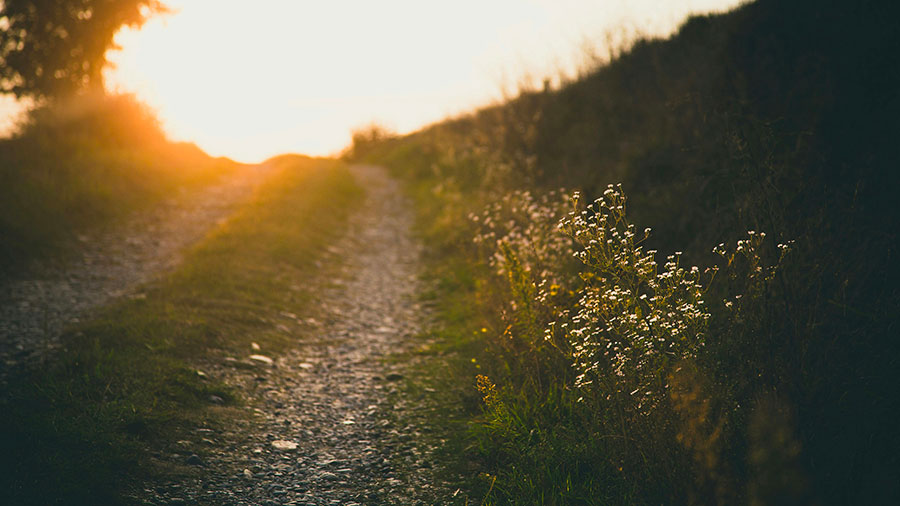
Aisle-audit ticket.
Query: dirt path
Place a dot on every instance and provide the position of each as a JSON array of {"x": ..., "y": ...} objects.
[
  {"x": 328, "y": 431},
  {"x": 36, "y": 308}
]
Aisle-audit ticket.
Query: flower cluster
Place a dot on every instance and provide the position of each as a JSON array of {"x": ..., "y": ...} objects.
[
  {"x": 747, "y": 267},
  {"x": 520, "y": 228},
  {"x": 581, "y": 281},
  {"x": 634, "y": 320}
]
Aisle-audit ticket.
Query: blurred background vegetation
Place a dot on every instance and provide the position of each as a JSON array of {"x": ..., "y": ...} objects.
[
  {"x": 84, "y": 162},
  {"x": 779, "y": 117},
  {"x": 80, "y": 158}
]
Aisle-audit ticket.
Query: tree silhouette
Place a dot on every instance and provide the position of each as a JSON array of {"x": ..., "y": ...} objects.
[{"x": 51, "y": 48}]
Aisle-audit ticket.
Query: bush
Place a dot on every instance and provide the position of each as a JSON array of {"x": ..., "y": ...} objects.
[{"x": 618, "y": 340}]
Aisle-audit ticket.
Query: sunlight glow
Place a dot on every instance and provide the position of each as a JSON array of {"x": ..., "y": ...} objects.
[{"x": 250, "y": 80}]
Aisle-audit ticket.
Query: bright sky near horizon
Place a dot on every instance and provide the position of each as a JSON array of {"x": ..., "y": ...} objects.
[{"x": 249, "y": 80}]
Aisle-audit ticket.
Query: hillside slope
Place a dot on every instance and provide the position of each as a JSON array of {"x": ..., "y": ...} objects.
[{"x": 779, "y": 117}]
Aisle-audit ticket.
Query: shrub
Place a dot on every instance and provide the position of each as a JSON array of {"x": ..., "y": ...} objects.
[{"x": 601, "y": 340}]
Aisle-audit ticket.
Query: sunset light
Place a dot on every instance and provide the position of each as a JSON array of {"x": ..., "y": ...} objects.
[
  {"x": 251, "y": 81},
  {"x": 561, "y": 252}
]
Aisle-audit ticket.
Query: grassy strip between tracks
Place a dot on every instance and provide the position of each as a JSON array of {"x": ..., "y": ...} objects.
[{"x": 84, "y": 428}]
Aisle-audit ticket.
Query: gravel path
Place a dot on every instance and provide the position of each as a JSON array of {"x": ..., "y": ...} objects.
[
  {"x": 35, "y": 308},
  {"x": 329, "y": 430}
]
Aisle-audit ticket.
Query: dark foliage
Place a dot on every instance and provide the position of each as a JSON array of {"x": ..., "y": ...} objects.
[{"x": 57, "y": 47}]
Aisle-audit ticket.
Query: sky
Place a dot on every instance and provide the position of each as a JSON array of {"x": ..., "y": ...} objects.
[{"x": 250, "y": 80}]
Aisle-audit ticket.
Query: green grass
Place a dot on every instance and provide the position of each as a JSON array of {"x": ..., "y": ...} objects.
[{"x": 82, "y": 429}]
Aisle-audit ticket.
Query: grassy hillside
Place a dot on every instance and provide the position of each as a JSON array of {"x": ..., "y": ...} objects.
[
  {"x": 777, "y": 383},
  {"x": 83, "y": 163}
]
